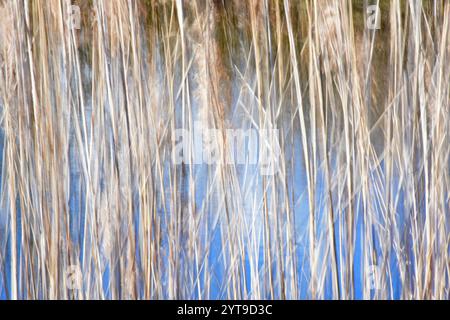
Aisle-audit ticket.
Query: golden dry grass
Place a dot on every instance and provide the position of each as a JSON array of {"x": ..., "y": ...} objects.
[{"x": 88, "y": 126}]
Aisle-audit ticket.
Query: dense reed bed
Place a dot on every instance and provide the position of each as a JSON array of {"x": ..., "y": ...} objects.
[{"x": 93, "y": 205}]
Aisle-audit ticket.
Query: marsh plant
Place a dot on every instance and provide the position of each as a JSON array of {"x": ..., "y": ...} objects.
[{"x": 347, "y": 101}]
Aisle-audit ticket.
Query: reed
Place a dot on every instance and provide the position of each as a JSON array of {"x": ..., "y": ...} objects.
[{"x": 93, "y": 205}]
